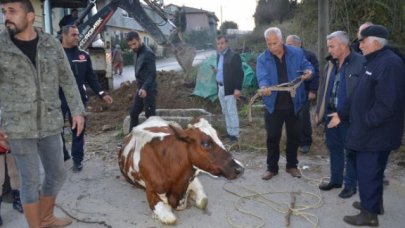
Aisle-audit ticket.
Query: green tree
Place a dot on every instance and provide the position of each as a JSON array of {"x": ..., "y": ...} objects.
[
  {"x": 227, "y": 25},
  {"x": 268, "y": 11}
]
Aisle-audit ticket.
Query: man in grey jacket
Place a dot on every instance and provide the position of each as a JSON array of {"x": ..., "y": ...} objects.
[{"x": 32, "y": 67}]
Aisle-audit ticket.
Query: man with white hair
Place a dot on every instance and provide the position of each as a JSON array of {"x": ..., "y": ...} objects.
[
  {"x": 342, "y": 75},
  {"x": 281, "y": 63},
  {"x": 376, "y": 121}
]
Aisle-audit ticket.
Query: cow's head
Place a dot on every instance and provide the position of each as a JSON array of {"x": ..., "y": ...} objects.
[{"x": 206, "y": 151}]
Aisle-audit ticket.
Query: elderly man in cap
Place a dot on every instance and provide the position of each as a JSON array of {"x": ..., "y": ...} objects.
[{"x": 376, "y": 121}]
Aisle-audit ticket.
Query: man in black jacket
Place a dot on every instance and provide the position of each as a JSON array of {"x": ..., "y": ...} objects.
[
  {"x": 311, "y": 88},
  {"x": 229, "y": 76},
  {"x": 83, "y": 71},
  {"x": 145, "y": 74}
]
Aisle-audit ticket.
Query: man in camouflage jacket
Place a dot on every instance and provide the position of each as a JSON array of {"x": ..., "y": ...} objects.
[{"x": 32, "y": 68}]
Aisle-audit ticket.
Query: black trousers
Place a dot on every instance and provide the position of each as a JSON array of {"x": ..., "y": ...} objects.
[
  {"x": 306, "y": 127},
  {"x": 148, "y": 104},
  {"x": 274, "y": 126},
  {"x": 370, "y": 173}
]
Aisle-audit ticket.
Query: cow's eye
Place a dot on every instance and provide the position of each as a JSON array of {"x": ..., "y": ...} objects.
[{"x": 206, "y": 144}]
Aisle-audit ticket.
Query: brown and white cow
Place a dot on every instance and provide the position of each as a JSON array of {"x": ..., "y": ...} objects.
[{"x": 165, "y": 159}]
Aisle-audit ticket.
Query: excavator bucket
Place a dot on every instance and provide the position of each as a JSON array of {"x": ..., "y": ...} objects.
[{"x": 185, "y": 56}]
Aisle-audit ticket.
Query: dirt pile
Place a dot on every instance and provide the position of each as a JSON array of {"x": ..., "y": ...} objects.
[{"x": 171, "y": 94}]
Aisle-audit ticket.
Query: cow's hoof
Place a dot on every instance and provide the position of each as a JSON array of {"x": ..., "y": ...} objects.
[
  {"x": 202, "y": 204},
  {"x": 164, "y": 213}
]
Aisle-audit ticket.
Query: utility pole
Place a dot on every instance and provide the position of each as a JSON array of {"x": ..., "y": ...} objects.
[{"x": 323, "y": 31}]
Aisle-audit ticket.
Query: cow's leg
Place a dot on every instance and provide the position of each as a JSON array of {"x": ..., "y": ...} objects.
[
  {"x": 162, "y": 210},
  {"x": 198, "y": 194},
  {"x": 183, "y": 202}
]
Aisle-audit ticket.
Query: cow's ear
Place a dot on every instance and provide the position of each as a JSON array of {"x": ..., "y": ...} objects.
[{"x": 180, "y": 133}]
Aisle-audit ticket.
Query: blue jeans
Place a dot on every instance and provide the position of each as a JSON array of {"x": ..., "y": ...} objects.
[
  {"x": 341, "y": 159},
  {"x": 27, "y": 153},
  {"x": 230, "y": 111}
]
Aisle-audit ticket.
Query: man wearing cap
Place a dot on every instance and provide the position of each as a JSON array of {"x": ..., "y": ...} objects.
[{"x": 376, "y": 121}]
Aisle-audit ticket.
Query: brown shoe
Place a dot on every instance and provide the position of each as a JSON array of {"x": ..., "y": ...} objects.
[
  {"x": 294, "y": 172},
  {"x": 268, "y": 175}
]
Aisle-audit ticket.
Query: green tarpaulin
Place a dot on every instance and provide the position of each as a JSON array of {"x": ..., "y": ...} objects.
[{"x": 206, "y": 85}]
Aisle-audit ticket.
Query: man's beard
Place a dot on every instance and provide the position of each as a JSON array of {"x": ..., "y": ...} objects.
[{"x": 12, "y": 30}]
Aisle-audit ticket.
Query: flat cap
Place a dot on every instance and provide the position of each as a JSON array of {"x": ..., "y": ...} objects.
[{"x": 374, "y": 30}]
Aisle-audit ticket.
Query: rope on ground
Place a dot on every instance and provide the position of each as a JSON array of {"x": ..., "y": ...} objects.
[
  {"x": 292, "y": 205},
  {"x": 297, "y": 210},
  {"x": 102, "y": 223},
  {"x": 239, "y": 146}
]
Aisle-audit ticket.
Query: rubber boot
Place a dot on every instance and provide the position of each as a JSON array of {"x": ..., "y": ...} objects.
[
  {"x": 1, "y": 220},
  {"x": 47, "y": 204},
  {"x": 31, "y": 213},
  {"x": 365, "y": 218},
  {"x": 17, "y": 201}
]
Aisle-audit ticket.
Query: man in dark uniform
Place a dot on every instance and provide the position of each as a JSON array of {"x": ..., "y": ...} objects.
[
  {"x": 311, "y": 88},
  {"x": 80, "y": 63},
  {"x": 145, "y": 74},
  {"x": 376, "y": 121}
]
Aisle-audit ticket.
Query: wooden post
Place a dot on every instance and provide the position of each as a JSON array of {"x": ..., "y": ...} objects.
[{"x": 323, "y": 31}]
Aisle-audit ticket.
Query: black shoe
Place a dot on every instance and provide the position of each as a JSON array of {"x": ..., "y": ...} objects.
[
  {"x": 66, "y": 158},
  {"x": 305, "y": 149},
  {"x": 232, "y": 138},
  {"x": 17, "y": 201},
  {"x": 365, "y": 218},
  {"x": 329, "y": 186},
  {"x": 347, "y": 193},
  {"x": 77, "y": 167},
  {"x": 357, "y": 205}
]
